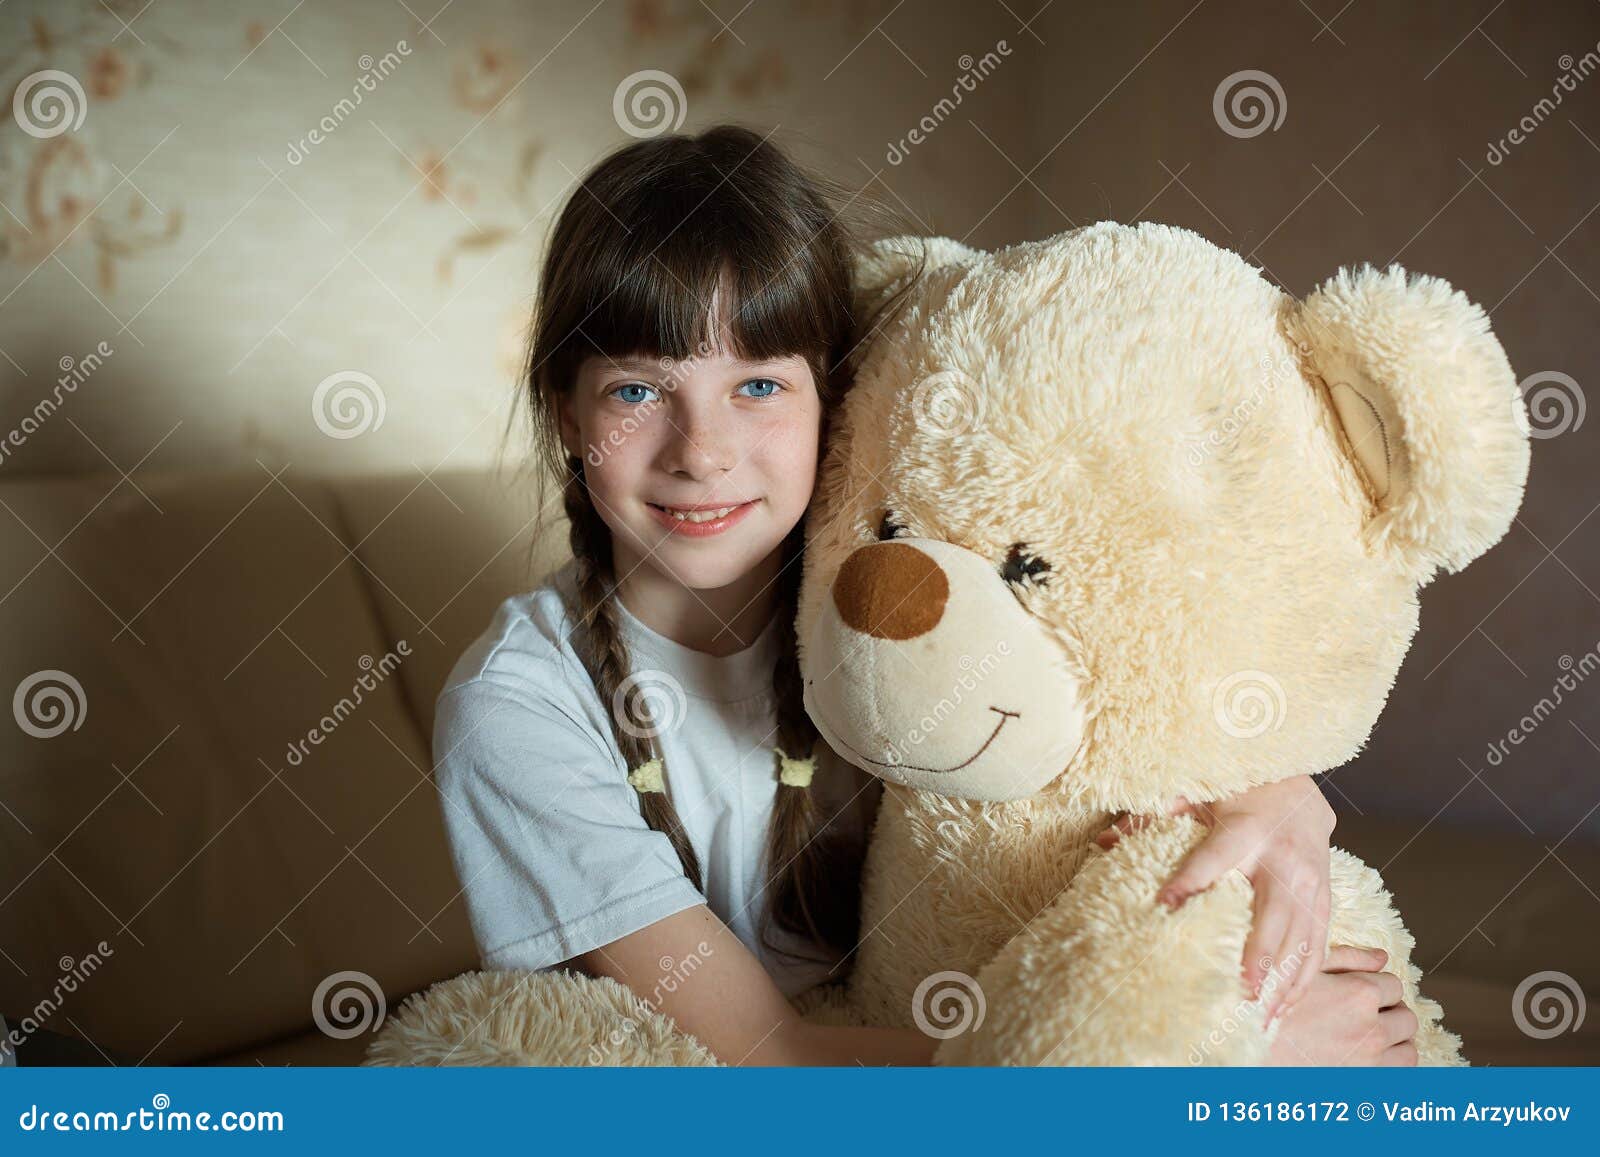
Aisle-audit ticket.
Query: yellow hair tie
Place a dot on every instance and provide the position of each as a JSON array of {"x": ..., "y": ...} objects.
[
  {"x": 647, "y": 776},
  {"x": 795, "y": 772}
]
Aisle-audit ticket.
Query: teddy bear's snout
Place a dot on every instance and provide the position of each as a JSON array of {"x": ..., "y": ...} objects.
[
  {"x": 924, "y": 669},
  {"x": 891, "y": 590}
]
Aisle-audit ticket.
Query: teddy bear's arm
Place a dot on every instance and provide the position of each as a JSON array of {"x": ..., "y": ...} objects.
[{"x": 1106, "y": 975}]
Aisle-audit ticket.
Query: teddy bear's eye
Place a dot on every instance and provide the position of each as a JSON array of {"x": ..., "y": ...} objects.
[
  {"x": 889, "y": 528},
  {"x": 1020, "y": 566}
]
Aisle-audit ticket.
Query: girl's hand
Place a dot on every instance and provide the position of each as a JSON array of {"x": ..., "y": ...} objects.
[
  {"x": 1351, "y": 1015},
  {"x": 1277, "y": 835}
]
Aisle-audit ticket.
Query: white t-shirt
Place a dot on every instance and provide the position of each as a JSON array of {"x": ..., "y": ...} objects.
[{"x": 547, "y": 836}]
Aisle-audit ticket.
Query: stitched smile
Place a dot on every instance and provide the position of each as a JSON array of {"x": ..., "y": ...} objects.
[{"x": 1004, "y": 716}]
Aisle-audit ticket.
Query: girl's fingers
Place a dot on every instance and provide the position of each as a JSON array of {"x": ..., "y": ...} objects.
[
  {"x": 1402, "y": 1055},
  {"x": 1316, "y": 944},
  {"x": 1293, "y": 958},
  {"x": 1398, "y": 1024},
  {"x": 1266, "y": 934},
  {"x": 1124, "y": 824},
  {"x": 1390, "y": 991},
  {"x": 1353, "y": 958},
  {"x": 1224, "y": 848}
]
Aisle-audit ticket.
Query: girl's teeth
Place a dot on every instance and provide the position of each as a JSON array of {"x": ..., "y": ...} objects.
[{"x": 700, "y": 515}]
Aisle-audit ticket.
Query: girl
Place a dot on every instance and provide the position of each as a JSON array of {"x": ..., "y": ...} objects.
[{"x": 689, "y": 346}]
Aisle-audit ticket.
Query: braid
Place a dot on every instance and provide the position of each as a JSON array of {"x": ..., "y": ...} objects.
[
  {"x": 804, "y": 868},
  {"x": 606, "y": 656}
]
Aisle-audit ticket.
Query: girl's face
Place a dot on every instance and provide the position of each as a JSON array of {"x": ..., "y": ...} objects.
[{"x": 710, "y": 432}]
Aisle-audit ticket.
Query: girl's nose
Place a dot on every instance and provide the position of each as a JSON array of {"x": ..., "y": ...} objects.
[{"x": 698, "y": 447}]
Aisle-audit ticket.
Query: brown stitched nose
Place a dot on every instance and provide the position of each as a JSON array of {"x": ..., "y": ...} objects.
[{"x": 890, "y": 590}]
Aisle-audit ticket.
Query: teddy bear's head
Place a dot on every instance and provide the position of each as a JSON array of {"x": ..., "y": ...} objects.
[{"x": 1111, "y": 515}]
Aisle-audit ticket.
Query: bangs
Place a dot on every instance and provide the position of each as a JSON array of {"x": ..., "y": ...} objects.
[{"x": 649, "y": 288}]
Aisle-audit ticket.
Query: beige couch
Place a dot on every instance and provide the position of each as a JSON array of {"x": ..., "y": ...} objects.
[{"x": 213, "y": 622}]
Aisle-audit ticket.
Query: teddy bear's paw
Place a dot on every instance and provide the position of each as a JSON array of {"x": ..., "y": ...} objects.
[{"x": 520, "y": 1017}]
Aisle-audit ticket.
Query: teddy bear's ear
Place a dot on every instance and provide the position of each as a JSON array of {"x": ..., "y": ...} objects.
[
  {"x": 891, "y": 264},
  {"x": 1429, "y": 410}
]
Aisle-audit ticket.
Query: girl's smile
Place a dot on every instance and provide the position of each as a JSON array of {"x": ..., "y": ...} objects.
[{"x": 700, "y": 521}]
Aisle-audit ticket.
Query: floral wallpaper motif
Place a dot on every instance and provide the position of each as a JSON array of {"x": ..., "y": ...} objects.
[
  {"x": 244, "y": 199},
  {"x": 51, "y": 185}
]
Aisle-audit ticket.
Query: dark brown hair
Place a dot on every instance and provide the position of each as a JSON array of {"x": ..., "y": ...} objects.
[{"x": 631, "y": 266}]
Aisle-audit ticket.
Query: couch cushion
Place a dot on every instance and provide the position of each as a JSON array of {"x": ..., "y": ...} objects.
[
  {"x": 441, "y": 552},
  {"x": 211, "y": 623}
]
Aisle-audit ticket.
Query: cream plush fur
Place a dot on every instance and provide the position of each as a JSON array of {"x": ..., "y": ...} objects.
[{"x": 1105, "y": 518}]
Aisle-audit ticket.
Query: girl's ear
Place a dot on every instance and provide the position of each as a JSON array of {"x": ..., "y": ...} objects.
[
  {"x": 887, "y": 266},
  {"x": 1429, "y": 409}
]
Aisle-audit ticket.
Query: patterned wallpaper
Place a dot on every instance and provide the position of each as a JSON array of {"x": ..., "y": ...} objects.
[{"x": 309, "y": 232}]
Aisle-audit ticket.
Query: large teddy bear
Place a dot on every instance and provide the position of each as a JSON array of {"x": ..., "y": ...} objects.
[{"x": 1105, "y": 519}]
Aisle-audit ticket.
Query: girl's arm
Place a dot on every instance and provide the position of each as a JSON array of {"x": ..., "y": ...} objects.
[
  {"x": 1277, "y": 835},
  {"x": 730, "y": 1004}
]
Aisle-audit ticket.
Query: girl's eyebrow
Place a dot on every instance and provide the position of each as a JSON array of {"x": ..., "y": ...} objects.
[{"x": 630, "y": 363}]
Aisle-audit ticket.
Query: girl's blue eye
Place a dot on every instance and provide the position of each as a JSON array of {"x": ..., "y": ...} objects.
[
  {"x": 776, "y": 386},
  {"x": 618, "y": 392}
]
